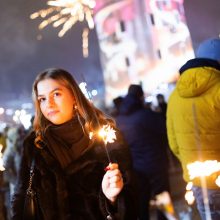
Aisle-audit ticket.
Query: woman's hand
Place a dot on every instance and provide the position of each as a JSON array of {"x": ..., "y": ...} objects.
[{"x": 112, "y": 182}]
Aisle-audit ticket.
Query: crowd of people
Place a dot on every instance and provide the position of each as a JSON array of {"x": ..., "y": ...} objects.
[{"x": 78, "y": 173}]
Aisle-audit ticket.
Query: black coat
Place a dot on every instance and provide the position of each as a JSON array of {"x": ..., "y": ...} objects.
[
  {"x": 145, "y": 133},
  {"x": 75, "y": 193}
]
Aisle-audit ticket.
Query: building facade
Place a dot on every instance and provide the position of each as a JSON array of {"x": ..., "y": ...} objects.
[{"x": 142, "y": 42}]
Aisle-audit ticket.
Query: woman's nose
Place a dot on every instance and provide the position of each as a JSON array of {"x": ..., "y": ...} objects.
[{"x": 50, "y": 102}]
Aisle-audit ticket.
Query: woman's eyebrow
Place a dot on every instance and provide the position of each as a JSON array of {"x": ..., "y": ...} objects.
[{"x": 54, "y": 90}]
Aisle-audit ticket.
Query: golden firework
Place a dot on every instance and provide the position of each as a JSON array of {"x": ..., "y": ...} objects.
[{"x": 66, "y": 13}]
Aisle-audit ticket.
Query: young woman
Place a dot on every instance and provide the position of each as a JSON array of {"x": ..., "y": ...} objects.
[{"x": 70, "y": 178}]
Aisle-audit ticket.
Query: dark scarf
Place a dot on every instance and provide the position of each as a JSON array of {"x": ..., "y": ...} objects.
[{"x": 66, "y": 142}]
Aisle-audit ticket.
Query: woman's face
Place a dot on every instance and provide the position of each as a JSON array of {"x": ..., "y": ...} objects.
[{"x": 55, "y": 100}]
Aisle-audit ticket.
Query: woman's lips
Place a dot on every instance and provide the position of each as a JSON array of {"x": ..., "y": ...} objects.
[{"x": 52, "y": 113}]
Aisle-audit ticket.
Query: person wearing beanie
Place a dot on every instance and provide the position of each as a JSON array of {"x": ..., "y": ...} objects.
[
  {"x": 136, "y": 90},
  {"x": 145, "y": 133},
  {"x": 193, "y": 120},
  {"x": 209, "y": 49}
]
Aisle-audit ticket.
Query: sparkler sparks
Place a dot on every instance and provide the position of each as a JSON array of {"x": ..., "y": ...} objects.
[
  {"x": 164, "y": 203},
  {"x": 217, "y": 181},
  {"x": 206, "y": 168},
  {"x": 189, "y": 197},
  {"x": 1, "y": 161},
  {"x": 66, "y": 13},
  {"x": 201, "y": 169},
  {"x": 107, "y": 134}
]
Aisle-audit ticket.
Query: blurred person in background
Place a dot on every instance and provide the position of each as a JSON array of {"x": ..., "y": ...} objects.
[
  {"x": 162, "y": 105},
  {"x": 3, "y": 136},
  {"x": 145, "y": 133},
  {"x": 116, "y": 105},
  {"x": 193, "y": 121},
  {"x": 3, "y": 184},
  {"x": 11, "y": 159},
  {"x": 12, "y": 154}
]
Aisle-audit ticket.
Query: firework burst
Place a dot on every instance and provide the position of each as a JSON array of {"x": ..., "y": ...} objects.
[{"x": 66, "y": 13}]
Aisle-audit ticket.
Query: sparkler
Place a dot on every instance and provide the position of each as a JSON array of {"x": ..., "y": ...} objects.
[
  {"x": 205, "y": 168},
  {"x": 189, "y": 197},
  {"x": 105, "y": 132},
  {"x": 217, "y": 181},
  {"x": 1, "y": 161},
  {"x": 203, "y": 180},
  {"x": 164, "y": 203},
  {"x": 108, "y": 136},
  {"x": 201, "y": 169}
]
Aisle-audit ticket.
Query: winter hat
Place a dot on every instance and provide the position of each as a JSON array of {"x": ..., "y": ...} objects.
[
  {"x": 209, "y": 49},
  {"x": 135, "y": 90}
]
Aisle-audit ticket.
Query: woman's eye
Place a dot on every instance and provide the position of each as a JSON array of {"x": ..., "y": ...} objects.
[
  {"x": 41, "y": 100},
  {"x": 56, "y": 94}
]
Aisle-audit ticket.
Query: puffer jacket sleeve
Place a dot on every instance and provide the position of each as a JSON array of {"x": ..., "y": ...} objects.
[
  {"x": 126, "y": 203},
  {"x": 18, "y": 198},
  {"x": 171, "y": 133}
]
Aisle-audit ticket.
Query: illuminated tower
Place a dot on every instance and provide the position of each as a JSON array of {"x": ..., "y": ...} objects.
[{"x": 141, "y": 41}]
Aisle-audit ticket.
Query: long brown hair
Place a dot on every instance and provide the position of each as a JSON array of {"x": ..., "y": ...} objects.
[{"x": 93, "y": 117}]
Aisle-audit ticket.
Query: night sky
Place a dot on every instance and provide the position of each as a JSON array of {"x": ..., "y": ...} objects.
[{"x": 23, "y": 56}]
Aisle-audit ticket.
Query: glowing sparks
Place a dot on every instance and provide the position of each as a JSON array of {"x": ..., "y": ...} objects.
[
  {"x": 206, "y": 168},
  {"x": 217, "y": 181},
  {"x": 200, "y": 169},
  {"x": 90, "y": 135},
  {"x": 164, "y": 203},
  {"x": 66, "y": 13},
  {"x": 1, "y": 161},
  {"x": 189, "y": 197},
  {"x": 189, "y": 186},
  {"x": 107, "y": 134}
]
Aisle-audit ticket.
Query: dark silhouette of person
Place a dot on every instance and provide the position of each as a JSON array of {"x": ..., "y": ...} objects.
[
  {"x": 162, "y": 104},
  {"x": 117, "y": 102},
  {"x": 145, "y": 133}
]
